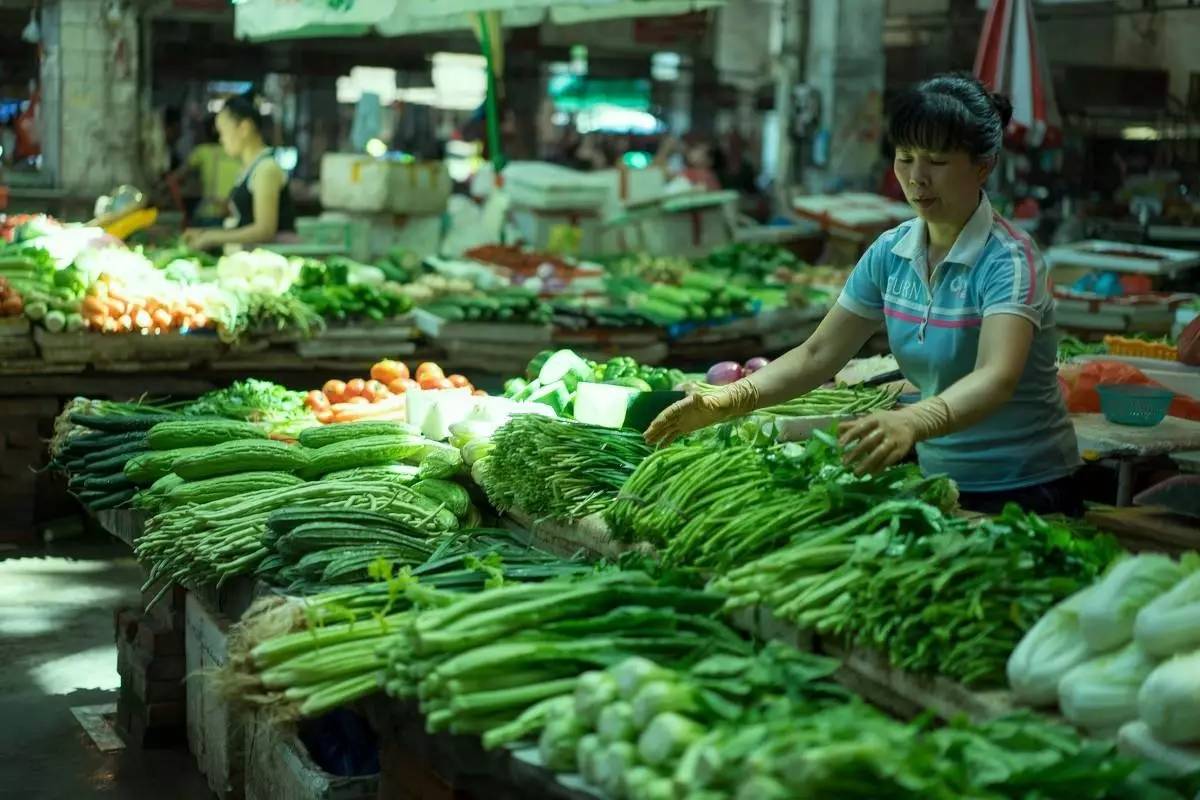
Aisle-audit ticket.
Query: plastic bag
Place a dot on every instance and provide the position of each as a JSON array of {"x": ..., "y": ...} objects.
[{"x": 1080, "y": 381}]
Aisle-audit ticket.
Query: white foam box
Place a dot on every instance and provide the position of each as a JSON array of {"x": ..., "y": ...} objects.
[
  {"x": 278, "y": 767},
  {"x": 691, "y": 232},
  {"x": 542, "y": 229},
  {"x": 357, "y": 182},
  {"x": 215, "y": 731},
  {"x": 534, "y": 184}
]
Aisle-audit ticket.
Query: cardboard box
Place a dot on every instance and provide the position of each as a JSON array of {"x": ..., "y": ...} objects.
[
  {"x": 214, "y": 730},
  {"x": 278, "y": 767},
  {"x": 358, "y": 182}
]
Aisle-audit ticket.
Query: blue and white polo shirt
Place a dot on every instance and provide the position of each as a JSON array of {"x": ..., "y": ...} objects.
[{"x": 993, "y": 268}]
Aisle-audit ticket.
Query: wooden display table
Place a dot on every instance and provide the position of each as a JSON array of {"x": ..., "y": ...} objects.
[{"x": 1128, "y": 445}]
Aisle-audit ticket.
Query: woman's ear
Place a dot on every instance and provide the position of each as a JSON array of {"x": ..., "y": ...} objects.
[{"x": 984, "y": 169}]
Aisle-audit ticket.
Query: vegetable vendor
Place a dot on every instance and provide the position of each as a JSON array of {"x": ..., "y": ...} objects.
[
  {"x": 969, "y": 316},
  {"x": 261, "y": 199}
]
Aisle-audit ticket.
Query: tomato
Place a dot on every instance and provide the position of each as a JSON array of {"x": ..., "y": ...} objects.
[
  {"x": 335, "y": 390},
  {"x": 317, "y": 400},
  {"x": 435, "y": 382},
  {"x": 355, "y": 388},
  {"x": 458, "y": 381},
  {"x": 428, "y": 369},
  {"x": 325, "y": 416},
  {"x": 375, "y": 390},
  {"x": 388, "y": 370}
]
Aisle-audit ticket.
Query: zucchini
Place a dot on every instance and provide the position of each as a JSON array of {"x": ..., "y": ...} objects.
[
  {"x": 113, "y": 499},
  {"x": 447, "y": 493},
  {"x": 201, "y": 433},
  {"x": 288, "y": 519},
  {"x": 313, "y": 536},
  {"x": 323, "y": 435},
  {"x": 118, "y": 423},
  {"x": 203, "y": 491},
  {"x": 149, "y": 467},
  {"x": 440, "y": 464},
  {"x": 247, "y": 455},
  {"x": 109, "y": 483},
  {"x": 369, "y": 451},
  {"x": 134, "y": 444},
  {"x": 399, "y": 473}
]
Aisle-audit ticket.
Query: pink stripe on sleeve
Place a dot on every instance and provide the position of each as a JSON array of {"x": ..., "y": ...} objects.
[{"x": 1029, "y": 262}]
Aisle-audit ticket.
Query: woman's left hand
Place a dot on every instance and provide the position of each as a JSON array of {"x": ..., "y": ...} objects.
[
  {"x": 877, "y": 441},
  {"x": 199, "y": 239}
]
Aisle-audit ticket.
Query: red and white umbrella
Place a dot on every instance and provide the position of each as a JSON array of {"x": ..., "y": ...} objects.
[{"x": 1010, "y": 61}]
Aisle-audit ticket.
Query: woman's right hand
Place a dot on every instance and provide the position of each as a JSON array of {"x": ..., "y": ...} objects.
[{"x": 700, "y": 410}]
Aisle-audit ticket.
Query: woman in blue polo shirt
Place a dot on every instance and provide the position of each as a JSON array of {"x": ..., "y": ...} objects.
[{"x": 969, "y": 317}]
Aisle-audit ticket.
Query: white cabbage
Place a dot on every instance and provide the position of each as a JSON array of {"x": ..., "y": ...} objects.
[
  {"x": 1106, "y": 617},
  {"x": 1169, "y": 701},
  {"x": 1048, "y": 651},
  {"x": 1170, "y": 624},
  {"x": 1102, "y": 694}
]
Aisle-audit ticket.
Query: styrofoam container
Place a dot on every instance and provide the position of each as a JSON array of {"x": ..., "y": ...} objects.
[
  {"x": 541, "y": 228},
  {"x": 356, "y": 182},
  {"x": 688, "y": 226},
  {"x": 534, "y": 184}
]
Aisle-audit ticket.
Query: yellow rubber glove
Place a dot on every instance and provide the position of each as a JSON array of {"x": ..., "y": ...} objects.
[
  {"x": 881, "y": 439},
  {"x": 701, "y": 410}
]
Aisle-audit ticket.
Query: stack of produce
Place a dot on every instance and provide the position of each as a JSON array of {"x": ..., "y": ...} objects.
[
  {"x": 94, "y": 441},
  {"x": 650, "y": 268},
  {"x": 699, "y": 297},
  {"x": 1125, "y": 648},
  {"x": 341, "y": 289},
  {"x": 214, "y": 485},
  {"x": 30, "y": 283},
  {"x": 428, "y": 289},
  {"x": 302, "y": 659},
  {"x": 553, "y": 378},
  {"x": 280, "y": 411},
  {"x": 513, "y": 306},
  {"x": 754, "y": 262},
  {"x": 705, "y": 503},
  {"x": 482, "y": 661},
  {"x": 556, "y": 467},
  {"x": 382, "y": 396},
  {"x": 935, "y": 594}
]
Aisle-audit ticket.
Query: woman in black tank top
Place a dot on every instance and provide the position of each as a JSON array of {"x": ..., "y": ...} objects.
[{"x": 261, "y": 199}]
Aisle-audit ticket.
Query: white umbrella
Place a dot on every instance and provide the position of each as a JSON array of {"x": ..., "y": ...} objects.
[{"x": 1010, "y": 60}]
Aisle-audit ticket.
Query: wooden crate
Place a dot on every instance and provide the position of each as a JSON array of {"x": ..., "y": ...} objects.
[
  {"x": 86, "y": 347},
  {"x": 278, "y": 767},
  {"x": 215, "y": 731}
]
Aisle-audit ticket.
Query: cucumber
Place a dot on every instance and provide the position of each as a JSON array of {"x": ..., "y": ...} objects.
[
  {"x": 324, "y": 435},
  {"x": 115, "y": 423}
]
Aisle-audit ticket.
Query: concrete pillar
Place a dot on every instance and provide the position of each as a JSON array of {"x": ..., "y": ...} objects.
[
  {"x": 846, "y": 67},
  {"x": 99, "y": 48}
]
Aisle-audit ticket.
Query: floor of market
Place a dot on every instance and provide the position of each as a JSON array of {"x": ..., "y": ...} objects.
[{"x": 58, "y": 652}]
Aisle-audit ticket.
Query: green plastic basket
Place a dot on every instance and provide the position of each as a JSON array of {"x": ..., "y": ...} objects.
[{"x": 1126, "y": 404}]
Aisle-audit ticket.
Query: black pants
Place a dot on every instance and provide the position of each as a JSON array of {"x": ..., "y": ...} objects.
[{"x": 1062, "y": 496}]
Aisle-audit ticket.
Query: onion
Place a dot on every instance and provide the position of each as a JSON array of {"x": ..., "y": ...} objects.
[
  {"x": 755, "y": 364},
  {"x": 723, "y": 373}
]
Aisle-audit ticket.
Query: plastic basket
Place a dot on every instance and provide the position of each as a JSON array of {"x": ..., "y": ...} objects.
[
  {"x": 1121, "y": 346},
  {"x": 1126, "y": 404}
]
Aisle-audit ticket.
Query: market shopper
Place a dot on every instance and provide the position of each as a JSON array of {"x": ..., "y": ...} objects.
[
  {"x": 261, "y": 200},
  {"x": 965, "y": 302}
]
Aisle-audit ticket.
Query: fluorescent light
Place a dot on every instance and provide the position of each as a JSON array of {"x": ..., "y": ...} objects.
[{"x": 1141, "y": 133}]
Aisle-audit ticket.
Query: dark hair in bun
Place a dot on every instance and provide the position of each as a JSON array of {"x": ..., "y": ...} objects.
[
  {"x": 949, "y": 112},
  {"x": 245, "y": 107}
]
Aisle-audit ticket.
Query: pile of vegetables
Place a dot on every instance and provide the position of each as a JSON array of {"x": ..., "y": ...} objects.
[
  {"x": 699, "y": 297},
  {"x": 11, "y": 302},
  {"x": 516, "y": 306},
  {"x": 305, "y": 658},
  {"x": 341, "y": 289},
  {"x": 651, "y": 268},
  {"x": 935, "y": 594},
  {"x": 1122, "y": 649},
  {"x": 499, "y": 657},
  {"x": 757, "y": 262},
  {"x": 557, "y": 467},
  {"x": 279, "y": 410},
  {"x": 382, "y": 396},
  {"x": 707, "y": 503},
  {"x": 554, "y": 378}
]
